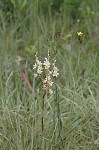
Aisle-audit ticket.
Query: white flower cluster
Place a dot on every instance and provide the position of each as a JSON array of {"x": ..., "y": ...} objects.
[
  {"x": 50, "y": 71},
  {"x": 47, "y": 83},
  {"x": 55, "y": 71},
  {"x": 38, "y": 66},
  {"x": 46, "y": 64}
]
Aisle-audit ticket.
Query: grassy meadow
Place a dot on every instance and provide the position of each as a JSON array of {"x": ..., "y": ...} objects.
[{"x": 67, "y": 119}]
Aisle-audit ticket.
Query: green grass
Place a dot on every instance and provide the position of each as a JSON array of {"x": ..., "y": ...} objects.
[{"x": 71, "y": 115}]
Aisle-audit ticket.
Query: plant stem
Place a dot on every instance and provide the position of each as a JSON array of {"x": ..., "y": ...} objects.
[{"x": 43, "y": 115}]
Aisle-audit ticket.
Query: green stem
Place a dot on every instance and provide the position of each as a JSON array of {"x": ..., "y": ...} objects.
[
  {"x": 43, "y": 116},
  {"x": 59, "y": 118}
]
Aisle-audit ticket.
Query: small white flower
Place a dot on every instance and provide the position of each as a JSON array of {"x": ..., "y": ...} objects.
[
  {"x": 46, "y": 64},
  {"x": 50, "y": 91},
  {"x": 39, "y": 70},
  {"x": 50, "y": 72},
  {"x": 35, "y": 75},
  {"x": 39, "y": 63},
  {"x": 50, "y": 83},
  {"x": 55, "y": 72},
  {"x": 48, "y": 78},
  {"x": 35, "y": 66}
]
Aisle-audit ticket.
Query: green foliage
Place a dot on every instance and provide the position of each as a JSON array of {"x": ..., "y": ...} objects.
[
  {"x": 19, "y": 4},
  {"x": 71, "y": 116}
]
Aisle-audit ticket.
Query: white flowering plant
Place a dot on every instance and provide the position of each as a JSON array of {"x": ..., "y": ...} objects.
[{"x": 49, "y": 71}]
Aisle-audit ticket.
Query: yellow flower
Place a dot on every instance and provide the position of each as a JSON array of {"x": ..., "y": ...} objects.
[{"x": 79, "y": 33}]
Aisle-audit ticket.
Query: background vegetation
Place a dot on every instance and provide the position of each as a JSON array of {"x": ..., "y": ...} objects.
[{"x": 72, "y": 113}]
